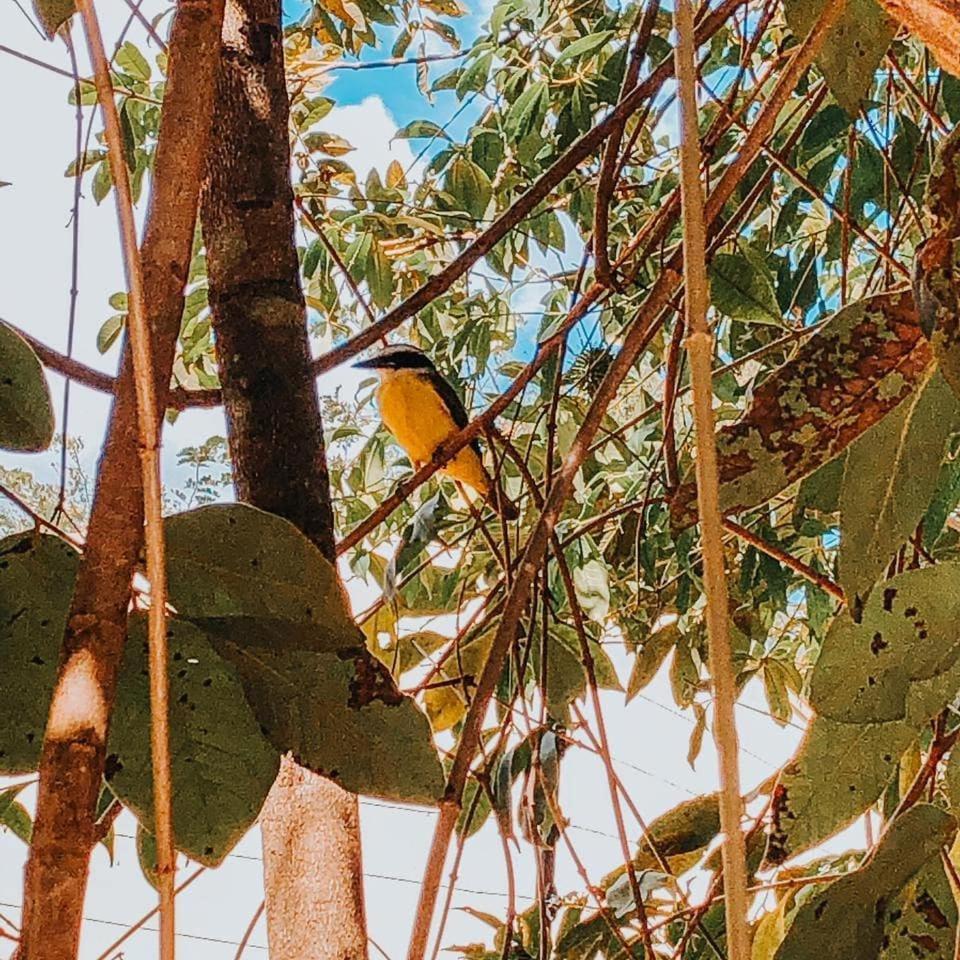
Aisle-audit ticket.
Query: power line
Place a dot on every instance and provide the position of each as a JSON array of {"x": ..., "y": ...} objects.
[{"x": 186, "y": 936}]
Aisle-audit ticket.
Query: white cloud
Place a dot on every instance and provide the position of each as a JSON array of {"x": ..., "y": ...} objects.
[{"x": 369, "y": 127}]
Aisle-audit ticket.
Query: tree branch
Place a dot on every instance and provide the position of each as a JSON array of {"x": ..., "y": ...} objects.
[
  {"x": 635, "y": 341},
  {"x": 73, "y": 755}
]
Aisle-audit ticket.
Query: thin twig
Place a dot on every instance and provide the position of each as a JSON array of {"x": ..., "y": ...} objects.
[
  {"x": 148, "y": 416},
  {"x": 797, "y": 566},
  {"x": 149, "y": 915},
  {"x": 248, "y": 933}
]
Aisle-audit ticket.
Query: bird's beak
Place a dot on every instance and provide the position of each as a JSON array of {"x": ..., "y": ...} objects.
[{"x": 371, "y": 363}]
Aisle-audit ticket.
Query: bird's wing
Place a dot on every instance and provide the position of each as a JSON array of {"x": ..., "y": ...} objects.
[{"x": 453, "y": 403}]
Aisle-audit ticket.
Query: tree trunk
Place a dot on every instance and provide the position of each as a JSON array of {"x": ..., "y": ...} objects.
[
  {"x": 310, "y": 827},
  {"x": 74, "y": 747}
]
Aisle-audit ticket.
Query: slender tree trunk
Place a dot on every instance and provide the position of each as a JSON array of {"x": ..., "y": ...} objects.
[
  {"x": 310, "y": 827},
  {"x": 74, "y": 746}
]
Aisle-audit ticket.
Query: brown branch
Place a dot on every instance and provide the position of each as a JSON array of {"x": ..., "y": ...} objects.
[
  {"x": 936, "y": 23},
  {"x": 179, "y": 398},
  {"x": 635, "y": 341},
  {"x": 149, "y": 415},
  {"x": 611, "y": 154},
  {"x": 700, "y": 346},
  {"x": 74, "y": 748},
  {"x": 522, "y": 208},
  {"x": 797, "y": 566},
  {"x": 111, "y": 952}
]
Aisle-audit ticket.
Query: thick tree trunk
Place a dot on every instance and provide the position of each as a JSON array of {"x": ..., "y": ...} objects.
[
  {"x": 311, "y": 832},
  {"x": 74, "y": 746}
]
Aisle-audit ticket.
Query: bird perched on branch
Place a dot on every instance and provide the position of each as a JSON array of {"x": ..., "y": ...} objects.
[{"x": 422, "y": 410}]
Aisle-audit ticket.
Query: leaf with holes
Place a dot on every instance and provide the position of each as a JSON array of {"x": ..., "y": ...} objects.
[
  {"x": 340, "y": 715},
  {"x": 222, "y": 765},
  {"x": 36, "y": 584},
  {"x": 846, "y": 378},
  {"x": 847, "y": 918},
  {"x": 26, "y": 413},
  {"x": 876, "y": 685},
  {"x": 853, "y": 49},
  {"x": 922, "y": 920},
  {"x": 889, "y": 479}
]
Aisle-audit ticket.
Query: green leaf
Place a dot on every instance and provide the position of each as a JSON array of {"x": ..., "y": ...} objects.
[
  {"x": 36, "y": 584},
  {"x": 380, "y": 278},
  {"x": 847, "y": 918},
  {"x": 922, "y": 918},
  {"x": 16, "y": 818},
  {"x": 526, "y": 113},
  {"x": 13, "y": 815},
  {"x": 584, "y": 46},
  {"x": 108, "y": 333},
  {"x": 26, "y": 413},
  {"x": 147, "y": 856},
  {"x": 234, "y": 563},
  {"x": 742, "y": 287},
  {"x": 222, "y": 766},
  {"x": 945, "y": 499},
  {"x": 890, "y": 476},
  {"x": 131, "y": 61},
  {"x": 875, "y": 686},
  {"x": 474, "y": 77},
  {"x": 820, "y": 491},
  {"x": 853, "y": 49},
  {"x": 847, "y": 377},
  {"x": 650, "y": 657},
  {"x": 469, "y": 185},
  {"x": 420, "y": 129},
  {"x": 52, "y": 14},
  {"x": 342, "y": 717},
  {"x": 937, "y": 263}
]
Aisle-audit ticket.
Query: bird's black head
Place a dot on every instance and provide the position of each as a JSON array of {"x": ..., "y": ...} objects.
[{"x": 400, "y": 356}]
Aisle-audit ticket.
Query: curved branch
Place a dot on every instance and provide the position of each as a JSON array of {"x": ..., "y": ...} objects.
[
  {"x": 524, "y": 206},
  {"x": 180, "y": 397}
]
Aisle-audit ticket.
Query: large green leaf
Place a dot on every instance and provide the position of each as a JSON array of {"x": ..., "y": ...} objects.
[
  {"x": 234, "y": 562},
  {"x": 274, "y": 609},
  {"x": 875, "y": 686},
  {"x": 853, "y": 49},
  {"x": 846, "y": 378},
  {"x": 847, "y": 918},
  {"x": 26, "y": 414},
  {"x": 341, "y": 716},
  {"x": 889, "y": 479},
  {"x": 741, "y": 287},
  {"x": 222, "y": 765},
  {"x": 908, "y": 632},
  {"x": 36, "y": 584}
]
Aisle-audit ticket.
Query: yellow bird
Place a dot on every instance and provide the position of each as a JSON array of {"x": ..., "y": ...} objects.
[{"x": 421, "y": 409}]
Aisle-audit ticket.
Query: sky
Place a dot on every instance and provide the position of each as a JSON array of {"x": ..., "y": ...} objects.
[{"x": 649, "y": 736}]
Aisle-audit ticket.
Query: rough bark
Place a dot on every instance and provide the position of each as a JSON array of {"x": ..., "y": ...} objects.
[
  {"x": 74, "y": 749},
  {"x": 936, "y": 23},
  {"x": 310, "y": 827}
]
